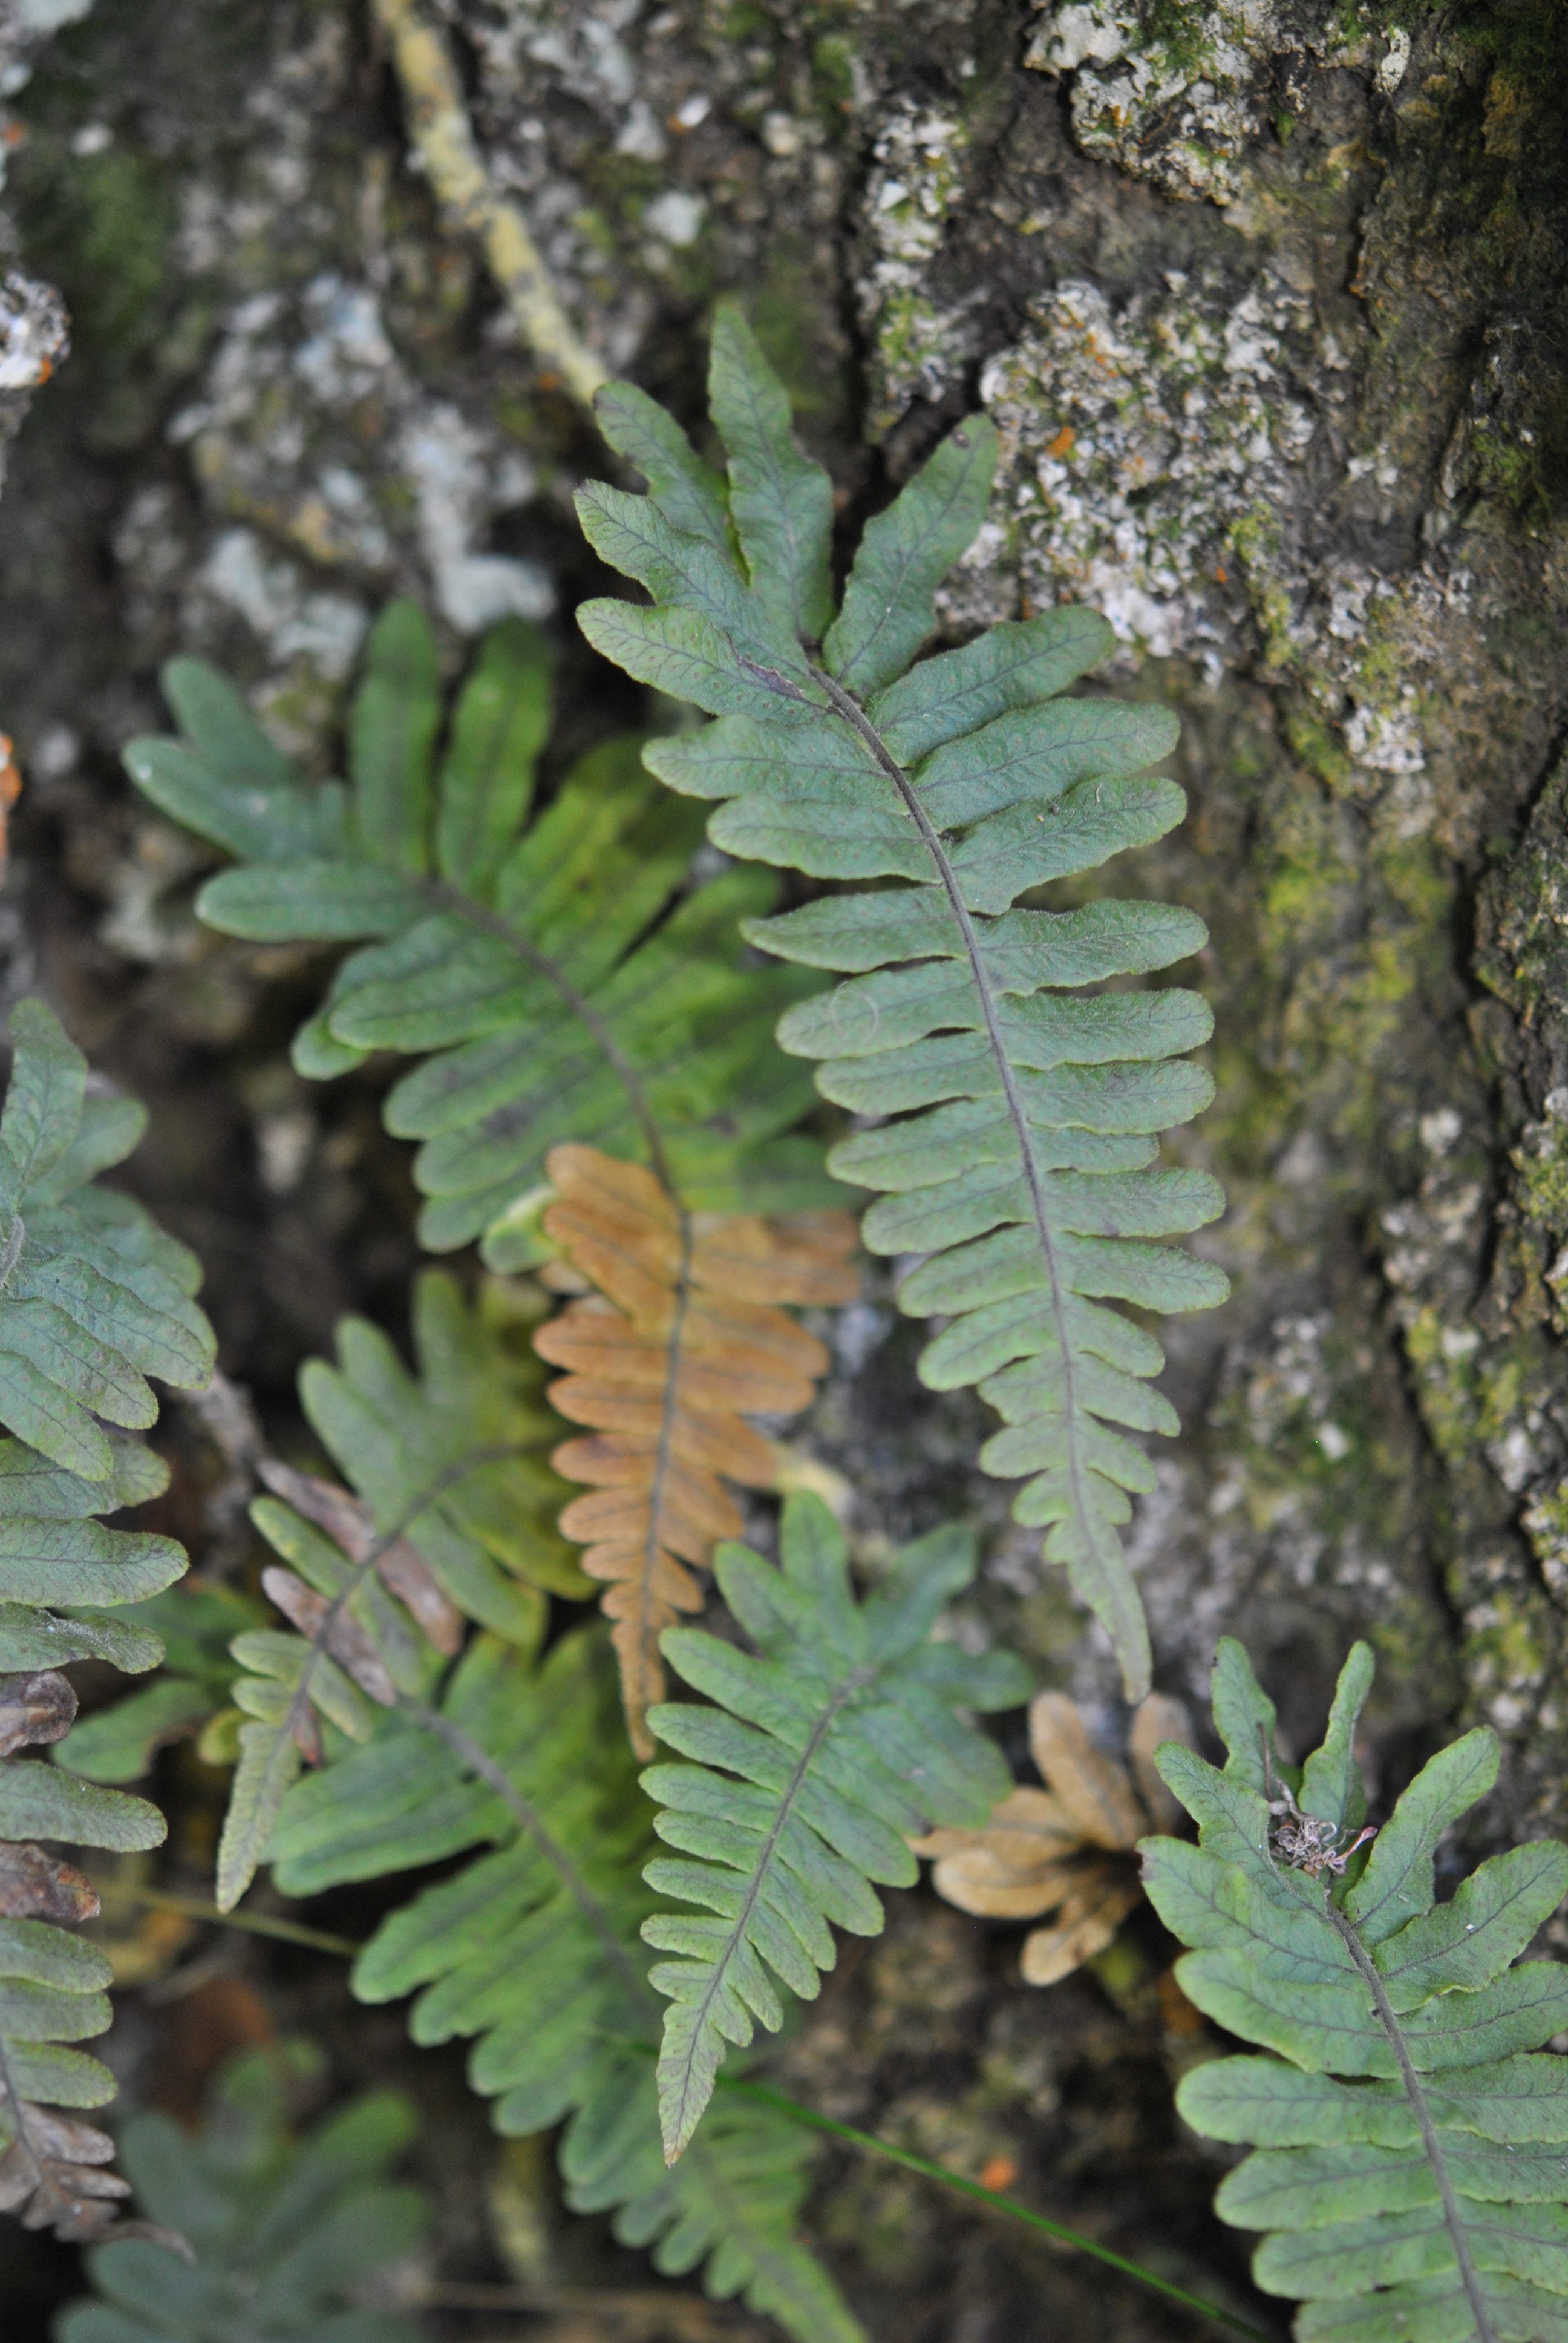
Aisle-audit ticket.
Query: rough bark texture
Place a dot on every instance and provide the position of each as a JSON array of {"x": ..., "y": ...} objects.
[{"x": 1269, "y": 300}]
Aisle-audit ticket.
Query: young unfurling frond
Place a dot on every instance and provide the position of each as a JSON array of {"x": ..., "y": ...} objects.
[{"x": 1011, "y": 1113}]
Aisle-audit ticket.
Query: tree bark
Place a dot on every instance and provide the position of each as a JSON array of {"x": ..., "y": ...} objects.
[{"x": 1269, "y": 300}]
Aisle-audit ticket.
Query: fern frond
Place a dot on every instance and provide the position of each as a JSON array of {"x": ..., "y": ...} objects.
[
  {"x": 556, "y": 976},
  {"x": 93, "y": 1300},
  {"x": 682, "y": 1338},
  {"x": 1410, "y": 2158},
  {"x": 837, "y": 1742},
  {"x": 532, "y": 1948},
  {"x": 1016, "y": 1125},
  {"x": 282, "y": 2231},
  {"x": 455, "y": 1520}
]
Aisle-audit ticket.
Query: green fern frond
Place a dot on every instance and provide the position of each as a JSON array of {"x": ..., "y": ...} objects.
[
  {"x": 93, "y": 1300},
  {"x": 556, "y": 976},
  {"x": 1015, "y": 1114},
  {"x": 1411, "y": 2144},
  {"x": 532, "y": 1948},
  {"x": 837, "y": 1746},
  {"x": 281, "y": 2231},
  {"x": 455, "y": 1519}
]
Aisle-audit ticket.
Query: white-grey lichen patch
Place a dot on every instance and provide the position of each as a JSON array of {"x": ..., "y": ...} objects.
[
  {"x": 1136, "y": 439},
  {"x": 916, "y": 180},
  {"x": 1175, "y": 99},
  {"x": 33, "y": 332},
  {"x": 274, "y": 598},
  {"x": 308, "y": 430}
]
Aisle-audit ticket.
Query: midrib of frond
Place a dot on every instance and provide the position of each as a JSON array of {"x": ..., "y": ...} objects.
[
  {"x": 850, "y": 710},
  {"x": 738, "y": 2216},
  {"x": 452, "y": 898},
  {"x": 650, "y": 1673},
  {"x": 852, "y": 1683},
  {"x": 1452, "y": 2219},
  {"x": 525, "y": 1815}
]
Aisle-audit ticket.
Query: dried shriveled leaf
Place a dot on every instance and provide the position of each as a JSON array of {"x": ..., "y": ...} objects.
[
  {"x": 1092, "y": 1789},
  {"x": 1159, "y": 1718},
  {"x": 34, "y": 1708},
  {"x": 54, "y": 2174},
  {"x": 35, "y": 1887},
  {"x": 1034, "y": 1855},
  {"x": 1027, "y": 1835},
  {"x": 977, "y": 1881},
  {"x": 1085, "y": 1923},
  {"x": 402, "y": 1570},
  {"x": 680, "y": 1339}
]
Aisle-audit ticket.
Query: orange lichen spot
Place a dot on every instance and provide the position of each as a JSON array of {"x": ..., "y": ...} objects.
[
  {"x": 1063, "y": 442},
  {"x": 10, "y": 790}
]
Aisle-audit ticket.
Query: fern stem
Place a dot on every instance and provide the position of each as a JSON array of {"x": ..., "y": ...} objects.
[
  {"x": 1417, "y": 2097},
  {"x": 479, "y": 1762},
  {"x": 195, "y": 1907},
  {"x": 855, "y": 715},
  {"x": 998, "y": 2203}
]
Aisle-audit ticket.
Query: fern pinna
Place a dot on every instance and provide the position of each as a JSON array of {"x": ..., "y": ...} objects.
[
  {"x": 93, "y": 1300},
  {"x": 1411, "y": 2142},
  {"x": 1018, "y": 1154},
  {"x": 569, "y": 989}
]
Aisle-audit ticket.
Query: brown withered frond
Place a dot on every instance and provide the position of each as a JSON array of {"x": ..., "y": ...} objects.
[
  {"x": 53, "y": 2169},
  {"x": 1064, "y": 1850},
  {"x": 682, "y": 1337}
]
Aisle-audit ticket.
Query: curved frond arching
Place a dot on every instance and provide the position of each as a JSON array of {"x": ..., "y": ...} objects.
[
  {"x": 530, "y": 1949},
  {"x": 1014, "y": 1115}
]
